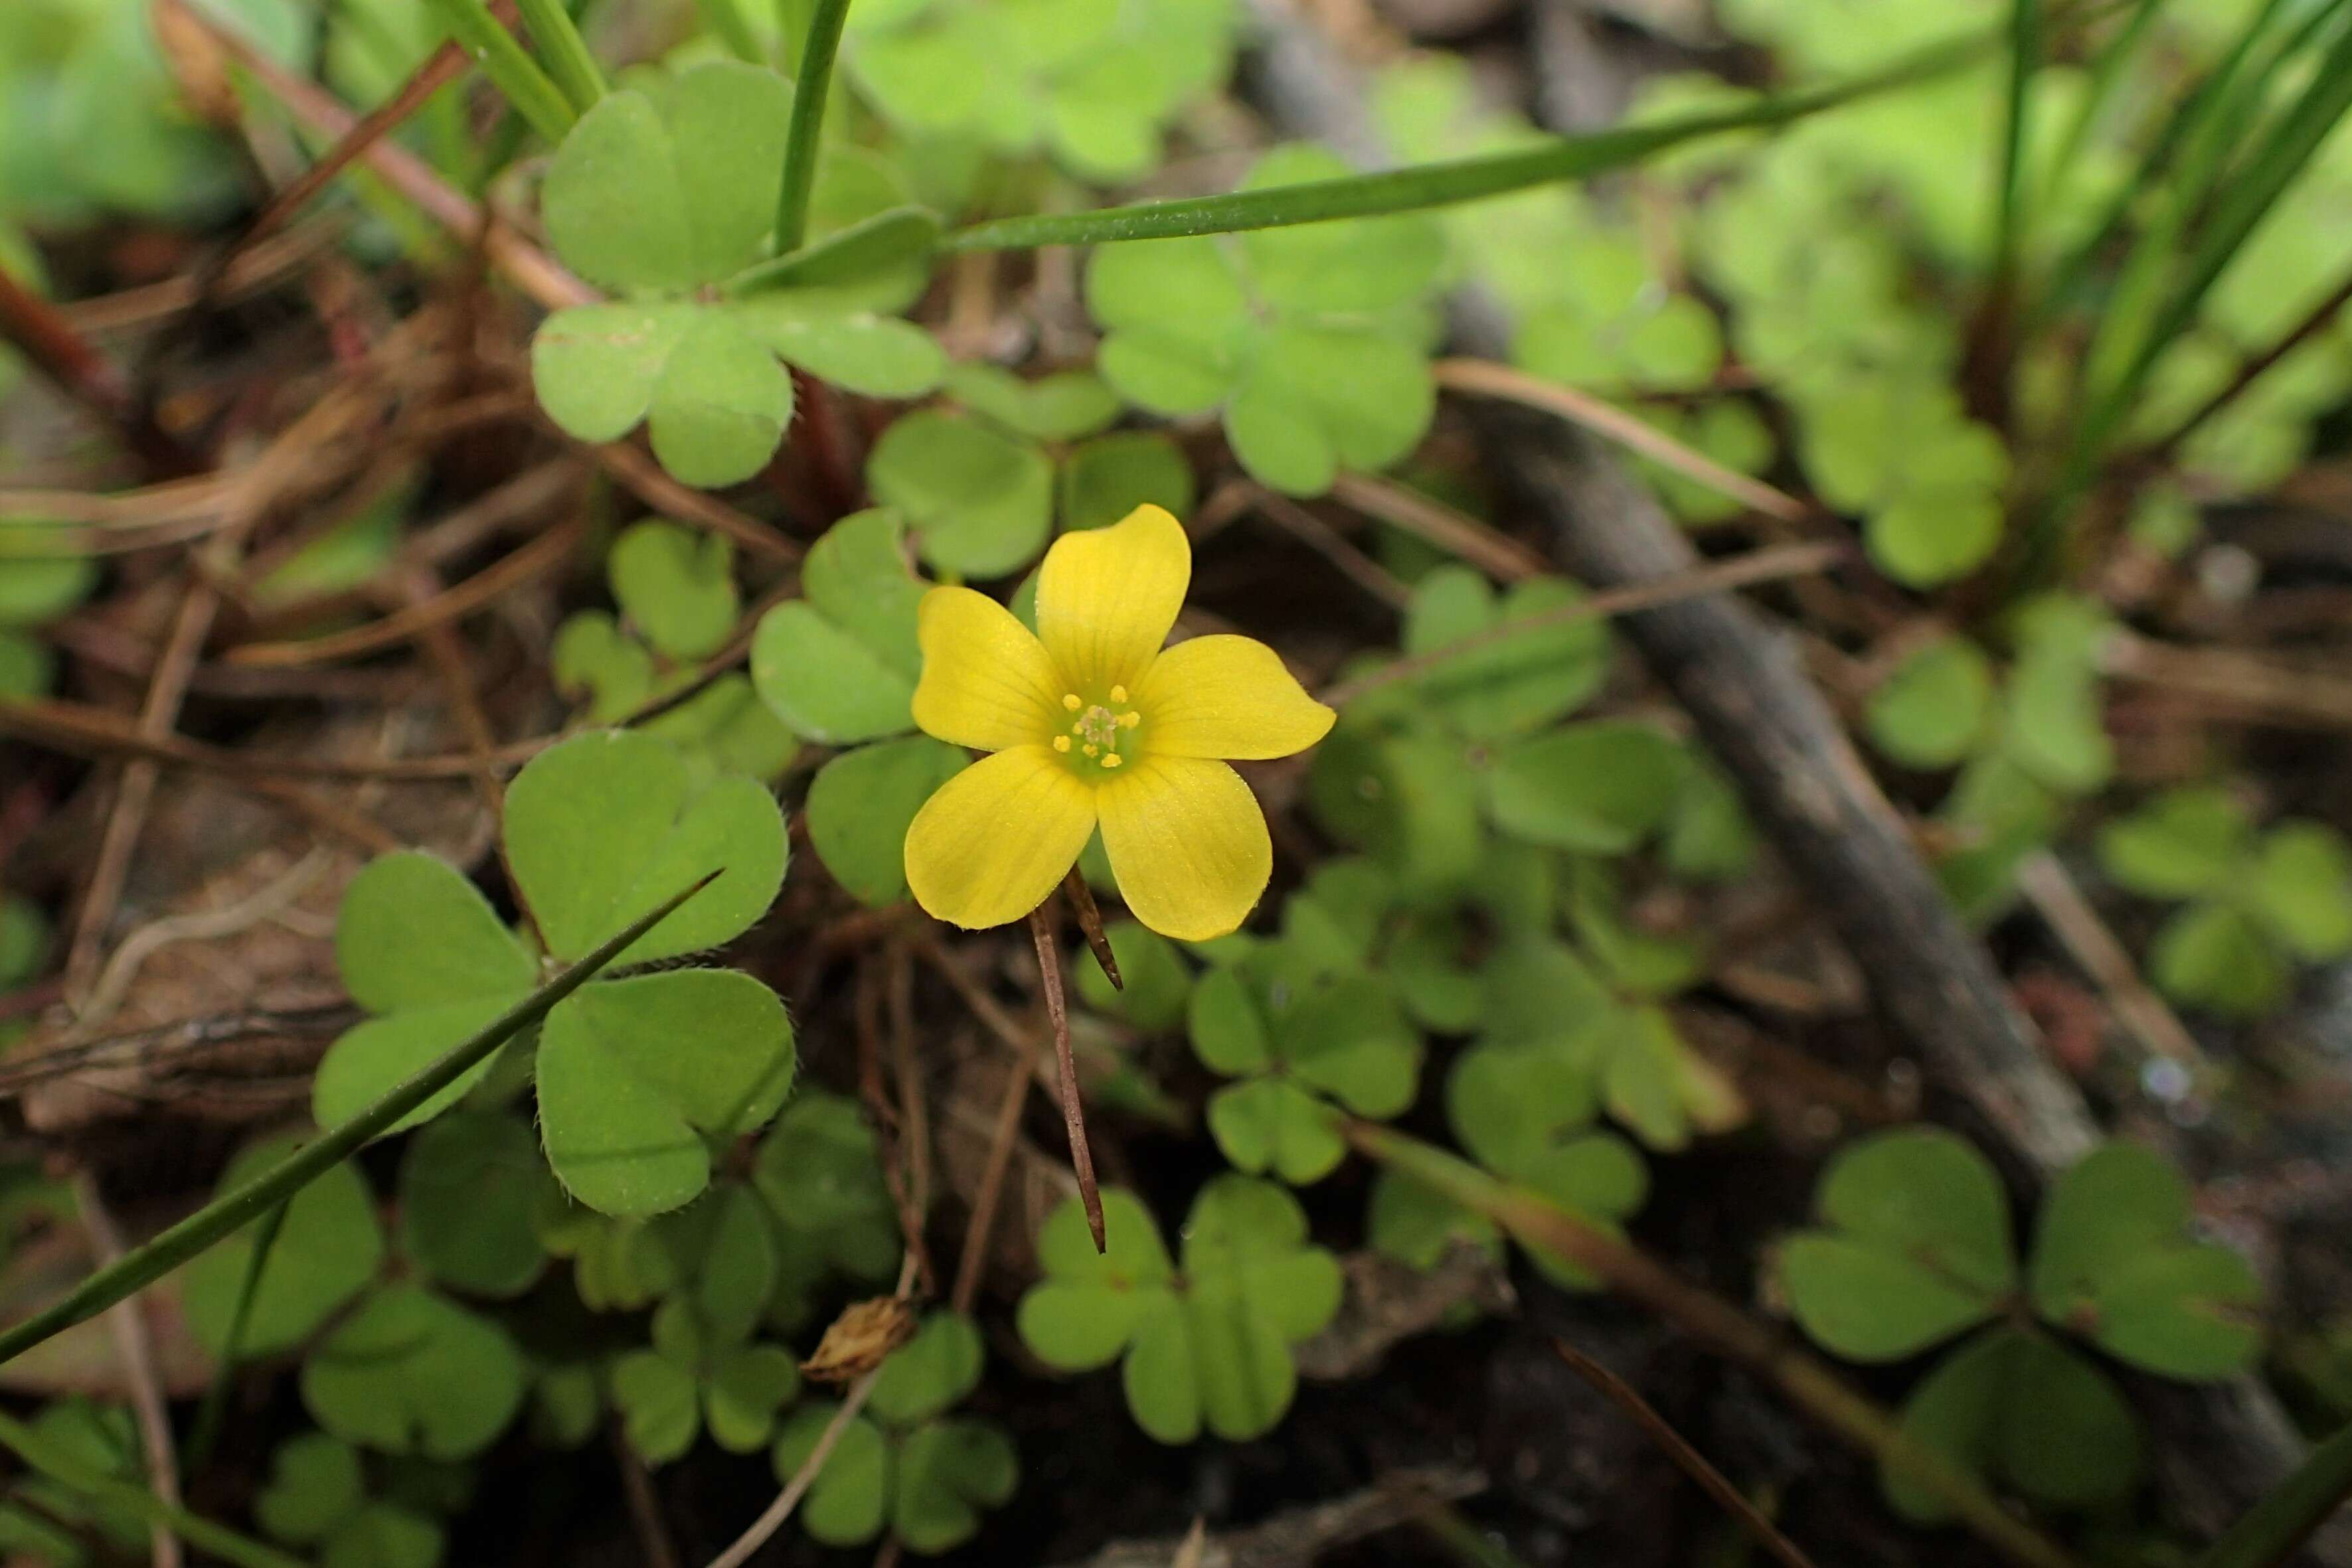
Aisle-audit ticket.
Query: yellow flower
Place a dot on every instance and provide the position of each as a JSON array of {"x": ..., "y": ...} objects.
[{"x": 1091, "y": 723}]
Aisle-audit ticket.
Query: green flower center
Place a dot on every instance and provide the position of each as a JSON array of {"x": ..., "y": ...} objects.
[{"x": 1104, "y": 736}]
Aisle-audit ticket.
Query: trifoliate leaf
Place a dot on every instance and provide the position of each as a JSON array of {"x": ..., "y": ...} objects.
[
  {"x": 980, "y": 502},
  {"x": 634, "y": 1072},
  {"x": 472, "y": 1186},
  {"x": 329, "y": 1247},
  {"x": 861, "y": 802},
  {"x": 1918, "y": 1246},
  {"x": 411, "y": 1372},
  {"x": 678, "y": 587},
  {"x": 604, "y": 826}
]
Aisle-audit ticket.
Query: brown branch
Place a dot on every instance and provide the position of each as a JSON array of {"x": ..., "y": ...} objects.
[
  {"x": 1074, "y": 1114},
  {"x": 1686, "y": 1457},
  {"x": 51, "y": 342},
  {"x": 1486, "y": 378}
]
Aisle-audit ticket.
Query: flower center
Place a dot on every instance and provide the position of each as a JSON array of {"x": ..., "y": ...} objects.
[{"x": 1097, "y": 727}]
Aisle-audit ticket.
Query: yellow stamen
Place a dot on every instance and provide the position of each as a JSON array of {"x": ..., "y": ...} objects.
[
  {"x": 1118, "y": 693},
  {"x": 1070, "y": 700},
  {"x": 1113, "y": 760},
  {"x": 1061, "y": 743},
  {"x": 1130, "y": 720},
  {"x": 1092, "y": 749}
]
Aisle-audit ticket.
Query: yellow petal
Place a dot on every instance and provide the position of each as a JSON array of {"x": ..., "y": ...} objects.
[
  {"x": 1188, "y": 845},
  {"x": 993, "y": 841},
  {"x": 1107, "y": 597},
  {"x": 1227, "y": 696},
  {"x": 987, "y": 683}
]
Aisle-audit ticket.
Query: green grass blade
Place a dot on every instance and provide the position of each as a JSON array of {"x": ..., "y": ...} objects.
[
  {"x": 2025, "y": 47},
  {"x": 214, "y": 1409},
  {"x": 2246, "y": 196},
  {"x": 141, "y": 1266},
  {"x": 2276, "y": 1527},
  {"x": 855, "y": 252},
  {"x": 567, "y": 59},
  {"x": 510, "y": 69},
  {"x": 132, "y": 1497},
  {"x": 1440, "y": 185},
  {"x": 2182, "y": 128},
  {"x": 814, "y": 81}
]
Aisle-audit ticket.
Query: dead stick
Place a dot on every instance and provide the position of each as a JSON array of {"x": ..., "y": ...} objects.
[
  {"x": 1074, "y": 1115},
  {"x": 1686, "y": 1457}
]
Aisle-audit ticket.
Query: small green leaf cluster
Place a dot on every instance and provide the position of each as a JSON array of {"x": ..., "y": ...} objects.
[
  {"x": 904, "y": 1463},
  {"x": 2025, "y": 746},
  {"x": 637, "y": 1072},
  {"x": 982, "y": 489},
  {"x": 666, "y": 194},
  {"x": 2253, "y": 905},
  {"x": 1204, "y": 1345},
  {"x": 678, "y": 601},
  {"x": 91, "y": 123},
  {"x": 50, "y": 1522},
  {"x": 1915, "y": 1248},
  {"x": 319, "y": 1498},
  {"x": 1311, "y": 344},
  {"x": 1093, "y": 84}
]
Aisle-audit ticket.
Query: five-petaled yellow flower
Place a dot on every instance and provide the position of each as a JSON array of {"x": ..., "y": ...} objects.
[{"x": 1091, "y": 723}]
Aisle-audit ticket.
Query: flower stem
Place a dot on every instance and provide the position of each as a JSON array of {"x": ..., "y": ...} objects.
[
  {"x": 815, "y": 77},
  {"x": 1074, "y": 1114}
]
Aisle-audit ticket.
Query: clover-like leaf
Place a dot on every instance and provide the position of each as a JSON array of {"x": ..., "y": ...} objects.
[
  {"x": 1105, "y": 479},
  {"x": 1218, "y": 1351},
  {"x": 633, "y": 1074},
  {"x": 678, "y": 587},
  {"x": 1598, "y": 788},
  {"x": 840, "y": 665},
  {"x": 980, "y": 502},
  {"x": 1308, "y": 1050},
  {"x": 1158, "y": 983},
  {"x": 329, "y": 1247},
  {"x": 472, "y": 1186},
  {"x": 674, "y": 188},
  {"x": 315, "y": 1484},
  {"x": 413, "y": 1373},
  {"x": 1519, "y": 683},
  {"x": 1408, "y": 799},
  {"x": 2113, "y": 1260},
  {"x": 2218, "y": 957},
  {"x": 859, "y": 806},
  {"x": 2017, "y": 1407},
  {"x": 1918, "y": 1247},
  {"x": 2302, "y": 890},
  {"x": 1304, "y": 336},
  {"x": 820, "y": 1170},
  {"x": 604, "y": 826},
  {"x": 945, "y": 1472},
  {"x": 850, "y": 1499},
  {"x": 931, "y": 1374},
  {"x": 2184, "y": 842},
  {"x": 1935, "y": 705}
]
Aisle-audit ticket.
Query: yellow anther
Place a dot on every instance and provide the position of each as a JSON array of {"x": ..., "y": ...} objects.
[
  {"x": 1118, "y": 693},
  {"x": 1092, "y": 749},
  {"x": 1070, "y": 700},
  {"x": 1130, "y": 720},
  {"x": 1061, "y": 743},
  {"x": 1113, "y": 760}
]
